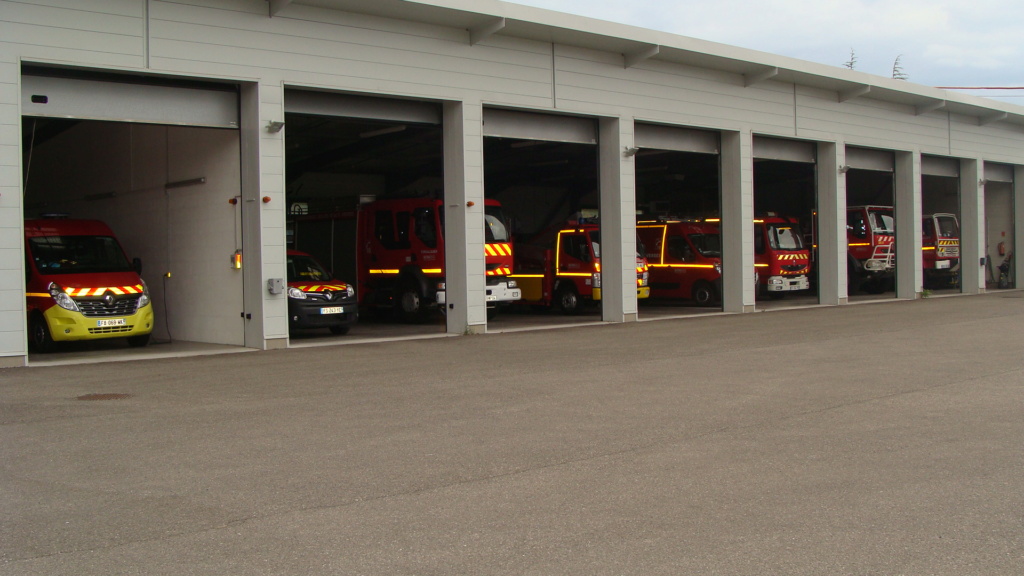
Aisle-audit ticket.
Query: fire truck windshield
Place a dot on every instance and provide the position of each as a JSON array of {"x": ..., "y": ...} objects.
[
  {"x": 303, "y": 268},
  {"x": 784, "y": 237},
  {"x": 77, "y": 254},
  {"x": 881, "y": 222},
  {"x": 948, "y": 227},
  {"x": 709, "y": 245},
  {"x": 495, "y": 227}
]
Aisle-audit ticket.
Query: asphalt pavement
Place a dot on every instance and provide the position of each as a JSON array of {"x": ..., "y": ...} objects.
[{"x": 874, "y": 439}]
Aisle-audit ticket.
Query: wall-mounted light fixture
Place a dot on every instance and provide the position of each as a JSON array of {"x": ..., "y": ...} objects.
[
  {"x": 982, "y": 182},
  {"x": 274, "y": 126},
  {"x": 844, "y": 169},
  {"x": 629, "y": 151}
]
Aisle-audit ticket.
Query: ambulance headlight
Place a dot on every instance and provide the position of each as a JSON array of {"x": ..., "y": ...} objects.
[
  {"x": 512, "y": 284},
  {"x": 61, "y": 297},
  {"x": 144, "y": 299},
  {"x": 295, "y": 293}
]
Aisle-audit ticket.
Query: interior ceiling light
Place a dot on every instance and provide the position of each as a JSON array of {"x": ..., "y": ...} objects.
[{"x": 382, "y": 131}]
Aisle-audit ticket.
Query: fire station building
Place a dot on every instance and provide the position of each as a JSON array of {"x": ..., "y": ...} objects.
[{"x": 215, "y": 135}]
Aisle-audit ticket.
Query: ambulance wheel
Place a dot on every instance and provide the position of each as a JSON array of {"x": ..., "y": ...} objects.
[
  {"x": 39, "y": 339},
  {"x": 703, "y": 294},
  {"x": 568, "y": 300},
  {"x": 339, "y": 330},
  {"x": 138, "y": 341}
]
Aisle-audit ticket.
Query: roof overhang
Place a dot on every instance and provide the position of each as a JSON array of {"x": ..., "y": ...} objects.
[{"x": 484, "y": 18}]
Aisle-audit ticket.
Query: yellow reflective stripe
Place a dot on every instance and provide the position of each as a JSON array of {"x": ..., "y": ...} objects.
[
  {"x": 380, "y": 271},
  {"x": 37, "y": 294},
  {"x": 526, "y": 276},
  {"x": 681, "y": 265}
]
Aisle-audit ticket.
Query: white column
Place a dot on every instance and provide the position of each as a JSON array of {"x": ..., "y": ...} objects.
[
  {"x": 831, "y": 224},
  {"x": 263, "y": 224},
  {"x": 909, "y": 275},
  {"x": 972, "y": 226},
  {"x": 737, "y": 217},
  {"x": 1018, "y": 218},
  {"x": 13, "y": 330},
  {"x": 465, "y": 265},
  {"x": 618, "y": 221}
]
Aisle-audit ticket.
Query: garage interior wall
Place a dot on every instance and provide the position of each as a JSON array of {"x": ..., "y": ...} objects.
[
  {"x": 187, "y": 230},
  {"x": 1000, "y": 231}
]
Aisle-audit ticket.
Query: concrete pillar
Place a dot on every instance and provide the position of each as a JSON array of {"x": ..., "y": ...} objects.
[
  {"x": 465, "y": 265},
  {"x": 737, "y": 214},
  {"x": 972, "y": 226},
  {"x": 13, "y": 317},
  {"x": 909, "y": 275},
  {"x": 618, "y": 221},
  {"x": 263, "y": 224},
  {"x": 1018, "y": 218},
  {"x": 831, "y": 224}
]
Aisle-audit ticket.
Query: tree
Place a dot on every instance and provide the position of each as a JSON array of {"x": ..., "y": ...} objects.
[
  {"x": 897, "y": 69},
  {"x": 852, "y": 62}
]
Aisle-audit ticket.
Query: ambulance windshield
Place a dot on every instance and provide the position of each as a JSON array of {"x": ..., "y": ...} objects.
[{"x": 77, "y": 254}]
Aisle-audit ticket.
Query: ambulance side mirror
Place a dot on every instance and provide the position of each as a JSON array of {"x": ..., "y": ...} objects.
[{"x": 137, "y": 265}]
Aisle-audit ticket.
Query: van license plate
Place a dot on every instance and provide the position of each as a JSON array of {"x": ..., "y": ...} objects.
[
  {"x": 332, "y": 310},
  {"x": 111, "y": 322}
]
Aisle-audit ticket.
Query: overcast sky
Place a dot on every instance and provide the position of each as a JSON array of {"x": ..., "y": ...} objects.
[{"x": 939, "y": 42}]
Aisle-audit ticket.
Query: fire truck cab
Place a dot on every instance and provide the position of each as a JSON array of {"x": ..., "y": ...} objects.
[
  {"x": 782, "y": 260},
  {"x": 685, "y": 259},
  {"x": 940, "y": 245},
  {"x": 568, "y": 275},
  {"x": 81, "y": 286},
  {"x": 400, "y": 256},
  {"x": 316, "y": 299},
  {"x": 871, "y": 234}
]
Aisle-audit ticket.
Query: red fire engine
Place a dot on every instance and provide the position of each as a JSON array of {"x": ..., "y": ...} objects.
[
  {"x": 400, "y": 256},
  {"x": 940, "y": 243},
  {"x": 81, "y": 285},
  {"x": 685, "y": 259},
  {"x": 782, "y": 261},
  {"x": 569, "y": 275},
  {"x": 871, "y": 234}
]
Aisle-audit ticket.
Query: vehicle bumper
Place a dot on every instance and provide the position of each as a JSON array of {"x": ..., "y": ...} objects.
[
  {"x": 498, "y": 293},
  {"x": 321, "y": 314},
  {"x": 641, "y": 292},
  {"x": 68, "y": 326},
  {"x": 787, "y": 283}
]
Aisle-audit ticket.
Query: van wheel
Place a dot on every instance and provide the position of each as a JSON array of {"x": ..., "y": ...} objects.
[
  {"x": 568, "y": 299},
  {"x": 39, "y": 339},
  {"x": 138, "y": 341},
  {"x": 704, "y": 294}
]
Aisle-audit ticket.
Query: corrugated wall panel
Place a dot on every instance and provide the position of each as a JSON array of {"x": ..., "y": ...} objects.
[
  {"x": 598, "y": 83},
  {"x": 89, "y": 32},
  {"x": 324, "y": 48}
]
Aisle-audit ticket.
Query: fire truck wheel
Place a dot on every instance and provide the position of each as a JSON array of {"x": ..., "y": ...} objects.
[
  {"x": 568, "y": 300},
  {"x": 339, "y": 330},
  {"x": 703, "y": 294},
  {"x": 39, "y": 335},
  {"x": 409, "y": 304}
]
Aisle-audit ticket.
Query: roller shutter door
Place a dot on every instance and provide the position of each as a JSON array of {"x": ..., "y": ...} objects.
[
  {"x": 353, "y": 106},
  {"x": 657, "y": 137},
  {"x": 870, "y": 159},
  {"x": 786, "y": 150},
  {"x": 532, "y": 126}
]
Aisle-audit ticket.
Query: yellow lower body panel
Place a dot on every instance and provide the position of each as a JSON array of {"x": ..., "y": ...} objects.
[{"x": 66, "y": 325}]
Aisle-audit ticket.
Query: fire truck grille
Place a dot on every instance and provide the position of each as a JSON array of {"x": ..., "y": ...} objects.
[
  {"x": 111, "y": 329},
  {"x": 794, "y": 268},
  {"x": 96, "y": 307}
]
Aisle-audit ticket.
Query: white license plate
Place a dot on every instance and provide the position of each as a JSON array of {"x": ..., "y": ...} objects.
[
  {"x": 333, "y": 310},
  {"x": 111, "y": 322},
  {"x": 942, "y": 264}
]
